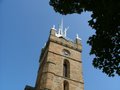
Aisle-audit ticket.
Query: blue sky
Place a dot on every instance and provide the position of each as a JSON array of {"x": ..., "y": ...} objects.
[{"x": 24, "y": 28}]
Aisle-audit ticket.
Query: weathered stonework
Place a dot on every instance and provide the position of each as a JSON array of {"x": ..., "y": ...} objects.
[{"x": 50, "y": 73}]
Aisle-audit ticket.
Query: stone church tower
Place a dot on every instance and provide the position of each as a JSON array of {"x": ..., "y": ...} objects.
[{"x": 60, "y": 63}]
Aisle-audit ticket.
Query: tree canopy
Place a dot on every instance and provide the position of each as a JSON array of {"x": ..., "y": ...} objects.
[{"x": 105, "y": 43}]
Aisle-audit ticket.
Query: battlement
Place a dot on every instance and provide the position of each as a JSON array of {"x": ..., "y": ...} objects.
[{"x": 65, "y": 41}]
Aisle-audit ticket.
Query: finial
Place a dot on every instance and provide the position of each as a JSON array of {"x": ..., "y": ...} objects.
[
  {"x": 62, "y": 24},
  {"x": 53, "y": 27},
  {"x": 77, "y": 36},
  {"x": 65, "y": 32},
  {"x": 60, "y": 32}
]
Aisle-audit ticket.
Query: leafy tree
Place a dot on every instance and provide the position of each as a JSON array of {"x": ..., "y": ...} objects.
[{"x": 105, "y": 43}]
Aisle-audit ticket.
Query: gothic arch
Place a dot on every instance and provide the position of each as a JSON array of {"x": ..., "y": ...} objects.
[
  {"x": 66, "y": 68},
  {"x": 65, "y": 85}
]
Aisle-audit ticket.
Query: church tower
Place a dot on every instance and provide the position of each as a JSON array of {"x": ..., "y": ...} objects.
[{"x": 60, "y": 63}]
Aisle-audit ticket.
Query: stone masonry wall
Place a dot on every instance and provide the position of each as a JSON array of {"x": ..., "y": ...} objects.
[{"x": 51, "y": 75}]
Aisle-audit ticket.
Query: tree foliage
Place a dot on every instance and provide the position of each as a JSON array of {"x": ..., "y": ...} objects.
[{"x": 105, "y": 43}]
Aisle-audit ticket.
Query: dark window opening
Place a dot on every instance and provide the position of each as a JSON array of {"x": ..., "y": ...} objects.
[
  {"x": 66, "y": 85},
  {"x": 66, "y": 69}
]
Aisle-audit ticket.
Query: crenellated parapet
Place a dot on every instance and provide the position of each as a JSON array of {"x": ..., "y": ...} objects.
[{"x": 76, "y": 44}]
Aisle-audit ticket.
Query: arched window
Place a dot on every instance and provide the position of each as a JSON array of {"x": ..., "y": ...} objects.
[
  {"x": 66, "y": 85},
  {"x": 66, "y": 68}
]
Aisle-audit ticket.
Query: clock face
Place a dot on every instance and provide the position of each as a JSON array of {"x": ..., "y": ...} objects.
[{"x": 66, "y": 52}]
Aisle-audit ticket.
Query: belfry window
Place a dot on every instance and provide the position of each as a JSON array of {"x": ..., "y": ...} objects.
[
  {"x": 66, "y": 85},
  {"x": 66, "y": 68}
]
